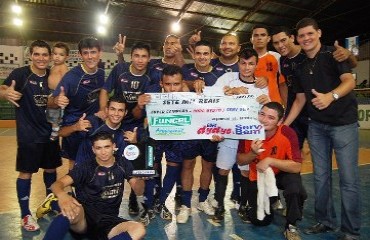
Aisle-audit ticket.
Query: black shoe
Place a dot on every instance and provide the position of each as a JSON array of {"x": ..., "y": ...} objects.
[
  {"x": 133, "y": 208},
  {"x": 219, "y": 214},
  {"x": 243, "y": 214},
  {"x": 318, "y": 228}
]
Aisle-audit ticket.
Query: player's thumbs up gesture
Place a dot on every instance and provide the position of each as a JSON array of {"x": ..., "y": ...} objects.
[
  {"x": 83, "y": 124},
  {"x": 340, "y": 54},
  {"x": 12, "y": 95},
  {"x": 321, "y": 100},
  {"x": 61, "y": 100}
]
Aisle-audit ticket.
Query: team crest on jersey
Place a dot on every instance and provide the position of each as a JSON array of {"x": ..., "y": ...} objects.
[
  {"x": 40, "y": 100},
  {"x": 193, "y": 74},
  {"x": 269, "y": 67},
  {"x": 135, "y": 84},
  {"x": 273, "y": 150}
]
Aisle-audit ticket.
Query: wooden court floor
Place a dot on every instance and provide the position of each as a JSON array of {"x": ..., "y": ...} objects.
[{"x": 233, "y": 228}]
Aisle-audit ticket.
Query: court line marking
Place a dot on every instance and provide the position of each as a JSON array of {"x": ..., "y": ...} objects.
[{"x": 235, "y": 237}]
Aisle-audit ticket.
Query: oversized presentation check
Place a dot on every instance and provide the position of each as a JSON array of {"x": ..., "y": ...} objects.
[{"x": 187, "y": 115}]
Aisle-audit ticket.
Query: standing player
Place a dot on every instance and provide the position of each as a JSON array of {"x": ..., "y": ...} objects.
[
  {"x": 60, "y": 54},
  {"x": 78, "y": 92},
  {"x": 99, "y": 184},
  {"x": 268, "y": 64},
  {"x": 27, "y": 88}
]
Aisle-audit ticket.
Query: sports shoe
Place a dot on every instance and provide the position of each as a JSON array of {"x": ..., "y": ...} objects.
[
  {"x": 184, "y": 214},
  {"x": 146, "y": 216},
  {"x": 156, "y": 205},
  {"x": 219, "y": 214},
  {"x": 133, "y": 208},
  {"x": 291, "y": 233},
  {"x": 164, "y": 212},
  {"x": 243, "y": 214},
  {"x": 206, "y": 208},
  {"x": 318, "y": 228},
  {"x": 236, "y": 201},
  {"x": 45, "y": 206},
  {"x": 30, "y": 224},
  {"x": 214, "y": 203}
]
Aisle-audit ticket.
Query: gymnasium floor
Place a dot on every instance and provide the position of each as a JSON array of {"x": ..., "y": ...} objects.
[{"x": 199, "y": 225}]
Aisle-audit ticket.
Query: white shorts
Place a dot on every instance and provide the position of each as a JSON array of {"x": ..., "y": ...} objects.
[{"x": 226, "y": 156}]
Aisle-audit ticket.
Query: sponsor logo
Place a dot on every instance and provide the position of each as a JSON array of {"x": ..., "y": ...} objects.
[
  {"x": 131, "y": 152},
  {"x": 86, "y": 82},
  {"x": 172, "y": 120}
]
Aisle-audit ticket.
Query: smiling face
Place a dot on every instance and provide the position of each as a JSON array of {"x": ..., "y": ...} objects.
[
  {"x": 309, "y": 39},
  {"x": 202, "y": 56},
  {"x": 140, "y": 58},
  {"x": 90, "y": 58},
  {"x": 116, "y": 112},
  {"x": 229, "y": 46},
  {"x": 40, "y": 58},
  {"x": 283, "y": 43},
  {"x": 269, "y": 118}
]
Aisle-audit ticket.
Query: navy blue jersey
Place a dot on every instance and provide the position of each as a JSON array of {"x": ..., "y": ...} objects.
[
  {"x": 221, "y": 68},
  {"x": 97, "y": 125},
  {"x": 101, "y": 187},
  {"x": 288, "y": 66},
  {"x": 156, "y": 67},
  {"x": 130, "y": 86},
  {"x": 82, "y": 90},
  {"x": 32, "y": 126},
  {"x": 190, "y": 72}
]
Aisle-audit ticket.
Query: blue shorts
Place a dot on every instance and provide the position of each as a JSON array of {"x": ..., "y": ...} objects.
[
  {"x": 70, "y": 146},
  {"x": 32, "y": 156},
  {"x": 204, "y": 148}
]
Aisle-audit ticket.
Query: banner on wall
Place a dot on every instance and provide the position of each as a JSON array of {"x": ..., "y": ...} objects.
[
  {"x": 183, "y": 116},
  {"x": 353, "y": 44},
  {"x": 364, "y": 116}
]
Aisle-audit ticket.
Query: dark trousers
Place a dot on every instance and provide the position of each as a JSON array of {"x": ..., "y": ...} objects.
[{"x": 293, "y": 192}]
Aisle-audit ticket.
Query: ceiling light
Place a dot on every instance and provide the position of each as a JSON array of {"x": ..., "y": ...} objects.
[
  {"x": 17, "y": 22},
  {"x": 16, "y": 9},
  {"x": 101, "y": 30},
  {"x": 104, "y": 19},
  {"x": 175, "y": 27}
]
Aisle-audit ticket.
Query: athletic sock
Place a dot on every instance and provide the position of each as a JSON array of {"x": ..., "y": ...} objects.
[
  {"x": 221, "y": 189},
  {"x": 244, "y": 190},
  {"x": 23, "y": 194},
  {"x": 169, "y": 180},
  {"x": 49, "y": 179},
  {"x": 203, "y": 194},
  {"x": 122, "y": 236},
  {"x": 186, "y": 198},
  {"x": 132, "y": 197},
  {"x": 236, "y": 182},
  {"x": 149, "y": 192},
  {"x": 58, "y": 228}
]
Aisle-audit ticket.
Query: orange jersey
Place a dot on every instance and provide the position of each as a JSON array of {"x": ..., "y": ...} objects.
[
  {"x": 268, "y": 66},
  {"x": 282, "y": 145}
]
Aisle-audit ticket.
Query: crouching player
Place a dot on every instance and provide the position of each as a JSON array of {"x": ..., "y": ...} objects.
[{"x": 99, "y": 185}]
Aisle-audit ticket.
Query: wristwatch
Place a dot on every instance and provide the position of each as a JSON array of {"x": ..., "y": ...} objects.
[{"x": 335, "y": 95}]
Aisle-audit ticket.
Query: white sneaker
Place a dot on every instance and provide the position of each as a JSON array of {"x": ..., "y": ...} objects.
[
  {"x": 184, "y": 214},
  {"x": 214, "y": 203},
  {"x": 30, "y": 224},
  {"x": 206, "y": 208}
]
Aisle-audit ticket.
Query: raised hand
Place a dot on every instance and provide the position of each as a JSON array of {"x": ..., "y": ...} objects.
[
  {"x": 195, "y": 38},
  {"x": 12, "y": 95},
  {"x": 61, "y": 100},
  {"x": 83, "y": 124},
  {"x": 119, "y": 47},
  {"x": 340, "y": 54}
]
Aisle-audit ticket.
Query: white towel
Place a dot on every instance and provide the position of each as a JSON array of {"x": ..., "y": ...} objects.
[{"x": 266, "y": 184}]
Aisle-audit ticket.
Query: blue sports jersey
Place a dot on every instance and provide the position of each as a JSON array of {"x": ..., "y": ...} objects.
[
  {"x": 190, "y": 72},
  {"x": 32, "y": 126},
  {"x": 97, "y": 125},
  {"x": 130, "y": 86},
  {"x": 156, "y": 67},
  {"x": 82, "y": 90},
  {"x": 221, "y": 68},
  {"x": 101, "y": 187}
]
